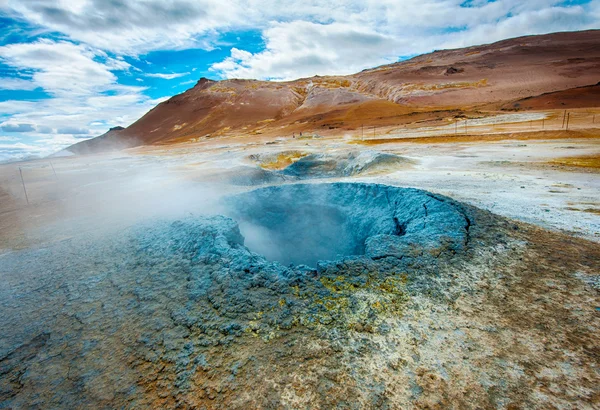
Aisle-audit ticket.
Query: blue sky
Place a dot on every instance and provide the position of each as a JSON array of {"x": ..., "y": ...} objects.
[{"x": 71, "y": 69}]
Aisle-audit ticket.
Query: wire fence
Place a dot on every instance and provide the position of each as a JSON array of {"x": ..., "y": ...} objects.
[
  {"x": 496, "y": 124},
  {"x": 30, "y": 174}
]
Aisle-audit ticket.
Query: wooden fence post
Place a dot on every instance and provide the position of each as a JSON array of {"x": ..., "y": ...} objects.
[
  {"x": 23, "y": 182},
  {"x": 53, "y": 170}
]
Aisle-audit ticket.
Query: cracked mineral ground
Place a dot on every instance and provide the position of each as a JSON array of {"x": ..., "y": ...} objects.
[{"x": 321, "y": 295}]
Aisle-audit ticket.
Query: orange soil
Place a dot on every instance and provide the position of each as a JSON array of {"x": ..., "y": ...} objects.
[
  {"x": 588, "y": 161},
  {"x": 521, "y": 136}
]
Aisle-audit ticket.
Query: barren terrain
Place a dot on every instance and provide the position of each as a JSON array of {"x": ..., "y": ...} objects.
[
  {"x": 554, "y": 71},
  {"x": 124, "y": 286}
]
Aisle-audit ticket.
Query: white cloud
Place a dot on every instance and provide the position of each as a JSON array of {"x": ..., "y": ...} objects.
[
  {"x": 21, "y": 146},
  {"x": 7, "y": 127},
  {"x": 320, "y": 36},
  {"x": 188, "y": 82},
  {"x": 131, "y": 27},
  {"x": 60, "y": 67},
  {"x": 136, "y": 27},
  {"x": 302, "y": 48},
  {"x": 166, "y": 76},
  {"x": 15, "y": 106},
  {"x": 528, "y": 22},
  {"x": 95, "y": 113},
  {"x": 17, "y": 84},
  {"x": 42, "y": 129},
  {"x": 86, "y": 97},
  {"x": 359, "y": 35},
  {"x": 73, "y": 131},
  {"x": 19, "y": 151}
]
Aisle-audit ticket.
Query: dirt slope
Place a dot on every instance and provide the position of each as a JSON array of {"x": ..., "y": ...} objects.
[
  {"x": 579, "y": 97},
  {"x": 110, "y": 140},
  {"x": 441, "y": 84}
]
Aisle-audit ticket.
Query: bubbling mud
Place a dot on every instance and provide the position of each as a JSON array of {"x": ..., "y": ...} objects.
[{"x": 306, "y": 223}]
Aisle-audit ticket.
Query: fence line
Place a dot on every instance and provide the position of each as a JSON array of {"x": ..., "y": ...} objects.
[
  {"x": 34, "y": 167},
  {"x": 569, "y": 121}
]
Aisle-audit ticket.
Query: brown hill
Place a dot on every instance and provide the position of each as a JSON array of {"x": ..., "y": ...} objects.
[
  {"x": 110, "y": 140},
  {"x": 579, "y": 97},
  {"x": 443, "y": 83}
]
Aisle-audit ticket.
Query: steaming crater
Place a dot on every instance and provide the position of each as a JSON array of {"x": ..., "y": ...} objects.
[
  {"x": 306, "y": 223},
  {"x": 166, "y": 307}
]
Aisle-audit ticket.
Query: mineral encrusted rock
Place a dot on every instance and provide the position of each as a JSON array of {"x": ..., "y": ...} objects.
[{"x": 430, "y": 304}]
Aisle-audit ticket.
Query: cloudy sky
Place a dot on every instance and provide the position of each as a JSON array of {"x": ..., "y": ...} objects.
[{"x": 71, "y": 69}]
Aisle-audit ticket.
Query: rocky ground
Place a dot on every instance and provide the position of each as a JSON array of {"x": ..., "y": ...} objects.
[
  {"x": 454, "y": 308},
  {"x": 131, "y": 281}
]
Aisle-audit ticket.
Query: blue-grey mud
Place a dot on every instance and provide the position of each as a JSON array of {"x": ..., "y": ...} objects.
[{"x": 342, "y": 295}]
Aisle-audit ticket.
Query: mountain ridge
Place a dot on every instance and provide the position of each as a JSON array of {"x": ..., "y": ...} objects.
[{"x": 448, "y": 82}]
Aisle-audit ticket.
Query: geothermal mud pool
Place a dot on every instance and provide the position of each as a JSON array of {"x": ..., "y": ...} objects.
[
  {"x": 304, "y": 224},
  {"x": 304, "y": 296}
]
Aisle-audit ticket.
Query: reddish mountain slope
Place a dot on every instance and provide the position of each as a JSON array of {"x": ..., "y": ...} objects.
[
  {"x": 444, "y": 82},
  {"x": 579, "y": 97},
  {"x": 110, "y": 140}
]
